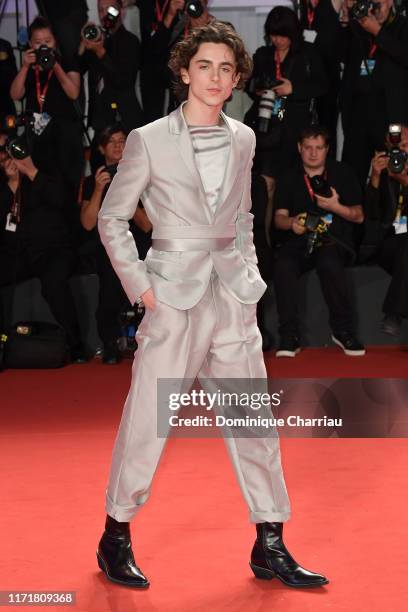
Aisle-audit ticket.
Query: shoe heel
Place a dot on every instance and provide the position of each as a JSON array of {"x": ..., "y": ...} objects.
[{"x": 262, "y": 573}]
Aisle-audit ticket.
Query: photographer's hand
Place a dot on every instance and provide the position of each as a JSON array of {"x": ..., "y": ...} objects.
[
  {"x": 174, "y": 7},
  {"x": 26, "y": 166},
  {"x": 298, "y": 225},
  {"x": 378, "y": 164},
  {"x": 29, "y": 58},
  {"x": 17, "y": 88},
  {"x": 102, "y": 178},
  {"x": 401, "y": 177},
  {"x": 97, "y": 47},
  {"x": 370, "y": 24},
  {"x": 285, "y": 89},
  {"x": 331, "y": 204},
  {"x": 148, "y": 299}
]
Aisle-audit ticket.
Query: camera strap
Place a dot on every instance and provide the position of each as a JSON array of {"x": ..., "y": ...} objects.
[
  {"x": 278, "y": 65},
  {"x": 41, "y": 93}
]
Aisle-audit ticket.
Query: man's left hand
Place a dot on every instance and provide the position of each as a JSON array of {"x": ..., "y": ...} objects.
[
  {"x": 331, "y": 204},
  {"x": 370, "y": 24}
]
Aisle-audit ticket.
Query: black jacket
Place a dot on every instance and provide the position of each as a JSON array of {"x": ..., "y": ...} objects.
[
  {"x": 305, "y": 71},
  {"x": 118, "y": 68},
  {"x": 389, "y": 80},
  {"x": 43, "y": 226}
]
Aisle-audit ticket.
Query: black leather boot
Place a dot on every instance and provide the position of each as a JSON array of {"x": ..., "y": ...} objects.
[
  {"x": 271, "y": 558},
  {"x": 115, "y": 555}
]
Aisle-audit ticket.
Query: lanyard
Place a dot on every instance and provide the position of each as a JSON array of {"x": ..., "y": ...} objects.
[
  {"x": 15, "y": 209},
  {"x": 160, "y": 11},
  {"x": 310, "y": 16},
  {"x": 373, "y": 49},
  {"x": 309, "y": 188},
  {"x": 41, "y": 94},
  {"x": 278, "y": 66}
]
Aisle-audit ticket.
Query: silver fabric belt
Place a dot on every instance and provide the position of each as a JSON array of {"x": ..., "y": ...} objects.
[{"x": 193, "y": 237}]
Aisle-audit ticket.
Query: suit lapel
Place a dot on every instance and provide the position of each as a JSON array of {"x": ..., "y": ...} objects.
[
  {"x": 178, "y": 127},
  {"x": 232, "y": 168}
]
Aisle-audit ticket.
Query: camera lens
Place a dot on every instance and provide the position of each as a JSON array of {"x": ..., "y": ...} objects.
[
  {"x": 91, "y": 32},
  {"x": 194, "y": 8},
  {"x": 18, "y": 148}
]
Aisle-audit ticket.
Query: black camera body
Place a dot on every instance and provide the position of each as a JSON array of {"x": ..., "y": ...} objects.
[
  {"x": 111, "y": 170},
  {"x": 397, "y": 158},
  {"x": 320, "y": 185},
  {"x": 361, "y": 8},
  {"x": 93, "y": 32},
  {"x": 19, "y": 146},
  {"x": 45, "y": 57},
  {"x": 194, "y": 8}
]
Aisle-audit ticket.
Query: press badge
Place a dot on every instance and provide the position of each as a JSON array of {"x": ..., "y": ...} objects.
[
  {"x": 11, "y": 226},
  {"x": 309, "y": 36},
  {"x": 368, "y": 63},
  {"x": 400, "y": 225},
  {"x": 41, "y": 120},
  {"x": 328, "y": 219}
]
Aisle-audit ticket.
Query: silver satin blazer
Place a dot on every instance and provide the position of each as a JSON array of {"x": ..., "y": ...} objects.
[{"x": 158, "y": 167}]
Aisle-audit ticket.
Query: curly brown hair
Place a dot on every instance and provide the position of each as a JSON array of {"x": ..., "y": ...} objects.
[{"x": 215, "y": 32}]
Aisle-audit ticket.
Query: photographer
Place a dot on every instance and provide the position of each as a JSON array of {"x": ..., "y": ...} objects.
[
  {"x": 321, "y": 27},
  {"x": 288, "y": 74},
  {"x": 385, "y": 239},
  {"x": 111, "y": 56},
  {"x": 170, "y": 22},
  {"x": 50, "y": 86},
  {"x": 374, "y": 89},
  {"x": 327, "y": 247},
  {"x": 34, "y": 240},
  {"x": 8, "y": 71},
  {"x": 112, "y": 298}
]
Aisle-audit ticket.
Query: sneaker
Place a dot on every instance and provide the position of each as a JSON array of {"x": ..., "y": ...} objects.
[
  {"x": 288, "y": 347},
  {"x": 349, "y": 343},
  {"x": 391, "y": 324}
]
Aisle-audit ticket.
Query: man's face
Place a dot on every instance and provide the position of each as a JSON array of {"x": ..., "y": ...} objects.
[
  {"x": 313, "y": 152},
  {"x": 42, "y": 37},
  {"x": 113, "y": 149},
  {"x": 382, "y": 10},
  {"x": 103, "y": 6},
  {"x": 211, "y": 75}
]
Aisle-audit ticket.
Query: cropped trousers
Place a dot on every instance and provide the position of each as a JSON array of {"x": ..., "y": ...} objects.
[{"x": 217, "y": 338}]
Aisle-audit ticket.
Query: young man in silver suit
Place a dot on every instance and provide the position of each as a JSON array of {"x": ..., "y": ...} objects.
[{"x": 200, "y": 285}]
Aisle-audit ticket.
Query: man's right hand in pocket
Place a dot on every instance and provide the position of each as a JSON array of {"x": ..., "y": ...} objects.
[{"x": 148, "y": 299}]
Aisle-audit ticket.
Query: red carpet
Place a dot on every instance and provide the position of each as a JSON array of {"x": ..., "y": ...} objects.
[{"x": 193, "y": 538}]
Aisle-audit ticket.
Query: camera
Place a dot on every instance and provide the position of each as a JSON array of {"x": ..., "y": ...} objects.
[
  {"x": 266, "y": 102},
  {"x": 320, "y": 185},
  {"x": 111, "y": 170},
  {"x": 94, "y": 33},
  {"x": 316, "y": 229},
  {"x": 397, "y": 158},
  {"x": 45, "y": 57},
  {"x": 361, "y": 8},
  {"x": 194, "y": 8},
  {"x": 18, "y": 146}
]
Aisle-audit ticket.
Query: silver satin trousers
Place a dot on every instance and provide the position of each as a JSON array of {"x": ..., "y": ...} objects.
[{"x": 219, "y": 338}]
